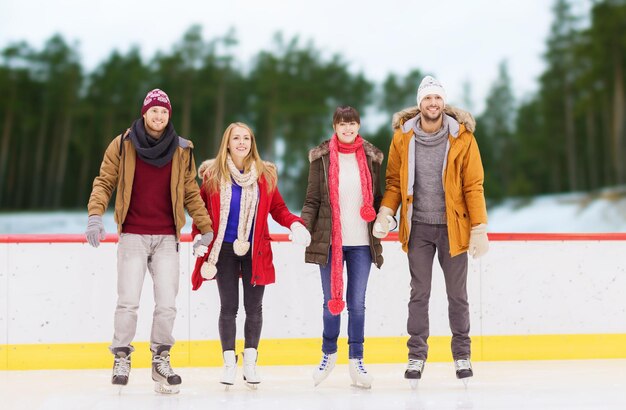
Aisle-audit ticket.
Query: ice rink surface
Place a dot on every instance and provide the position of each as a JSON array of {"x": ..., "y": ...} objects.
[{"x": 575, "y": 384}]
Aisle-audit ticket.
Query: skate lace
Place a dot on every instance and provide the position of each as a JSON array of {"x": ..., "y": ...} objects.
[
  {"x": 163, "y": 366},
  {"x": 462, "y": 364},
  {"x": 122, "y": 366},
  {"x": 359, "y": 367},
  {"x": 324, "y": 362},
  {"x": 415, "y": 365}
]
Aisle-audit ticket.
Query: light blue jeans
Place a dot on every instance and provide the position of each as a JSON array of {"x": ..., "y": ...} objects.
[
  {"x": 358, "y": 260},
  {"x": 157, "y": 254}
]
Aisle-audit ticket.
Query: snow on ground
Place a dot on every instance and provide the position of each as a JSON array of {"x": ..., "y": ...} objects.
[{"x": 599, "y": 211}]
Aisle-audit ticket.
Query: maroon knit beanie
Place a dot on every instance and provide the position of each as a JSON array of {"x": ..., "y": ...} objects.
[{"x": 156, "y": 97}]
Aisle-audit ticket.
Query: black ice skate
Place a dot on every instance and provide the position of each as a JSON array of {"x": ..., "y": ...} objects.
[
  {"x": 414, "y": 371},
  {"x": 121, "y": 366},
  {"x": 166, "y": 381},
  {"x": 463, "y": 369}
]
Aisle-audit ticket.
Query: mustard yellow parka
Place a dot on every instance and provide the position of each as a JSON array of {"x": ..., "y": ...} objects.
[{"x": 462, "y": 174}]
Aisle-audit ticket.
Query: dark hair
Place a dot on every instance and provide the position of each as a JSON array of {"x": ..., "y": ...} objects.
[{"x": 345, "y": 113}]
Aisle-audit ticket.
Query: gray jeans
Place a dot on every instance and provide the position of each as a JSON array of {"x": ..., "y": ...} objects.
[
  {"x": 159, "y": 255},
  {"x": 424, "y": 241}
]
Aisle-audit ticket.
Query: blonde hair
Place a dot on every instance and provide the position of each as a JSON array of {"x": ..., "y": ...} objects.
[{"x": 218, "y": 170}]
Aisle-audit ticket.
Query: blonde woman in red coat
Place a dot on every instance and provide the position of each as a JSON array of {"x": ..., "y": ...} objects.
[{"x": 240, "y": 192}]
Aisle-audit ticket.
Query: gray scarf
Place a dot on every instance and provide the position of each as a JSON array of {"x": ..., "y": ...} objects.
[
  {"x": 157, "y": 152},
  {"x": 427, "y": 138}
]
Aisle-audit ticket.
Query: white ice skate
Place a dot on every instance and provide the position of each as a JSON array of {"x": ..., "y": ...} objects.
[
  {"x": 360, "y": 377},
  {"x": 322, "y": 371},
  {"x": 413, "y": 372},
  {"x": 463, "y": 369},
  {"x": 230, "y": 368},
  {"x": 165, "y": 380},
  {"x": 250, "y": 375},
  {"x": 121, "y": 367}
]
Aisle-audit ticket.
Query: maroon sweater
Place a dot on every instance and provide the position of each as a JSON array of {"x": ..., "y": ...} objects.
[{"x": 150, "y": 211}]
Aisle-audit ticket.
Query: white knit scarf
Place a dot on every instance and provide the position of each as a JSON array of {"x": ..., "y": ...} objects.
[{"x": 247, "y": 209}]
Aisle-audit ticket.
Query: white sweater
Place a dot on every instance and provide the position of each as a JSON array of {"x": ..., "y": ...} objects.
[{"x": 354, "y": 230}]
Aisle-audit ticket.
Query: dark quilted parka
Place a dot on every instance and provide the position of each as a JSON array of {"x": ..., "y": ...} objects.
[{"x": 316, "y": 209}]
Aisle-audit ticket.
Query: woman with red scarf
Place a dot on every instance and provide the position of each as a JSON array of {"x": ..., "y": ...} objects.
[{"x": 343, "y": 193}]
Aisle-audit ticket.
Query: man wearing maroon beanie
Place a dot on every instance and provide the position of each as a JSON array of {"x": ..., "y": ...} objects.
[{"x": 154, "y": 173}]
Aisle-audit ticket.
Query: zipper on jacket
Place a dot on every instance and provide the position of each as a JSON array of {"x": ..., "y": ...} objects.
[
  {"x": 327, "y": 193},
  {"x": 176, "y": 199},
  {"x": 445, "y": 165},
  {"x": 256, "y": 212},
  {"x": 121, "y": 177},
  {"x": 370, "y": 225}
]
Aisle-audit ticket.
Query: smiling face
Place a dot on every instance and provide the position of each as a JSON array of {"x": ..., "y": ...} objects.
[
  {"x": 239, "y": 144},
  {"x": 347, "y": 131},
  {"x": 431, "y": 107},
  {"x": 155, "y": 121}
]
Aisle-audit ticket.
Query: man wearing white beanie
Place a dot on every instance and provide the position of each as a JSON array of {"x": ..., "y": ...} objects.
[{"x": 435, "y": 172}]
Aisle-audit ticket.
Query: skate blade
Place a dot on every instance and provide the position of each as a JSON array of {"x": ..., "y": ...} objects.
[
  {"x": 251, "y": 386},
  {"x": 166, "y": 389},
  {"x": 361, "y": 386},
  {"x": 414, "y": 383},
  {"x": 118, "y": 388},
  {"x": 465, "y": 381}
]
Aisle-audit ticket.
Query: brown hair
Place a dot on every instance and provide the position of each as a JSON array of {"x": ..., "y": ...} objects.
[
  {"x": 345, "y": 113},
  {"x": 218, "y": 170}
]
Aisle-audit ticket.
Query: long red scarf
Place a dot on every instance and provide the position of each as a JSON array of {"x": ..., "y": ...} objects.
[{"x": 336, "y": 303}]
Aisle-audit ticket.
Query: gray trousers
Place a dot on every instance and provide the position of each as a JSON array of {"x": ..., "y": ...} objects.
[
  {"x": 157, "y": 254},
  {"x": 423, "y": 242}
]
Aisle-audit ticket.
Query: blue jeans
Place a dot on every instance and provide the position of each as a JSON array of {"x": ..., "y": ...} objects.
[{"x": 358, "y": 261}]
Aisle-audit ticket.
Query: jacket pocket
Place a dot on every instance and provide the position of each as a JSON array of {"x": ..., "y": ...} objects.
[{"x": 462, "y": 223}]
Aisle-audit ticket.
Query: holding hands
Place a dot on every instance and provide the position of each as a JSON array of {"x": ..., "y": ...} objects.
[
  {"x": 384, "y": 223},
  {"x": 299, "y": 234},
  {"x": 201, "y": 244}
]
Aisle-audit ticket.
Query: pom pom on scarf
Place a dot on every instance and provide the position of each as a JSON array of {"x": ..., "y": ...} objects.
[
  {"x": 336, "y": 306},
  {"x": 208, "y": 271}
]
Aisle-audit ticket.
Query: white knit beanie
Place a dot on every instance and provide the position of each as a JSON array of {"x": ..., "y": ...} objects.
[{"x": 430, "y": 85}]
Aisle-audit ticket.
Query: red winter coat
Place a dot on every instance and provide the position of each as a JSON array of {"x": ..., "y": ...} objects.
[{"x": 263, "y": 272}]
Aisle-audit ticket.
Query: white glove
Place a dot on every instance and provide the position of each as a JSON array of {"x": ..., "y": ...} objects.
[
  {"x": 384, "y": 223},
  {"x": 300, "y": 235},
  {"x": 478, "y": 243},
  {"x": 201, "y": 244},
  {"x": 95, "y": 230}
]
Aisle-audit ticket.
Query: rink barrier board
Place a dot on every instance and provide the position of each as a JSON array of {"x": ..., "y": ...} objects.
[
  {"x": 300, "y": 351},
  {"x": 306, "y": 352}
]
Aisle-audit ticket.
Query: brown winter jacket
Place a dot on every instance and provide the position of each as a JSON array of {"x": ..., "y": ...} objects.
[
  {"x": 462, "y": 179},
  {"x": 316, "y": 211},
  {"x": 118, "y": 170}
]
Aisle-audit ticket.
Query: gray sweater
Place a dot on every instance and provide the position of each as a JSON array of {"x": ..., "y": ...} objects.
[{"x": 429, "y": 204}]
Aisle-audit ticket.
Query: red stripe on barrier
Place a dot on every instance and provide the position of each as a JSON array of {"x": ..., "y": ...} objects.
[{"x": 283, "y": 237}]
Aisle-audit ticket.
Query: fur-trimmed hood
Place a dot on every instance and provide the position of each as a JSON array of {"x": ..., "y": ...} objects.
[
  {"x": 207, "y": 164},
  {"x": 204, "y": 166},
  {"x": 461, "y": 116},
  {"x": 370, "y": 150}
]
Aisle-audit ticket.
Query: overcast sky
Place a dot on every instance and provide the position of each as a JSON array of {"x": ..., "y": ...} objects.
[{"x": 456, "y": 40}]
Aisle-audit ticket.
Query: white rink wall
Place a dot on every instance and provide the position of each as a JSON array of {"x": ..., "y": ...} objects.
[{"x": 66, "y": 293}]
